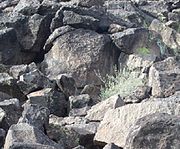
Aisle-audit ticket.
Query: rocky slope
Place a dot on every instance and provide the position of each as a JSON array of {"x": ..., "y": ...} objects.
[{"x": 54, "y": 56}]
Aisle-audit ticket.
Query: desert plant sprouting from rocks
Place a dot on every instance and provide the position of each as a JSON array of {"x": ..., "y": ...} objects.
[{"x": 122, "y": 83}]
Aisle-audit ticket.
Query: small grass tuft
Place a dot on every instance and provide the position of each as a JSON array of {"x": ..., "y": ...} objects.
[{"x": 122, "y": 83}]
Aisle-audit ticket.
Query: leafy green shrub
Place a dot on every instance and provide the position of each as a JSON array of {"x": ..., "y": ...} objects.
[
  {"x": 122, "y": 83},
  {"x": 143, "y": 51}
]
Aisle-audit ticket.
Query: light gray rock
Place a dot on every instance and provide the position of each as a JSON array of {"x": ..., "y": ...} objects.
[
  {"x": 117, "y": 122},
  {"x": 97, "y": 112},
  {"x": 18, "y": 70},
  {"x": 149, "y": 131},
  {"x": 27, "y": 7}
]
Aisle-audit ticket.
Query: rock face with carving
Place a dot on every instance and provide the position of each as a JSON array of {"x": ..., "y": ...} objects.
[{"x": 89, "y": 74}]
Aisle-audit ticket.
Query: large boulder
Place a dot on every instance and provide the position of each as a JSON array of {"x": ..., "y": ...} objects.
[
  {"x": 82, "y": 53},
  {"x": 26, "y": 136},
  {"x": 164, "y": 77},
  {"x": 138, "y": 40},
  {"x": 117, "y": 122},
  {"x": 155, "y": 131}
]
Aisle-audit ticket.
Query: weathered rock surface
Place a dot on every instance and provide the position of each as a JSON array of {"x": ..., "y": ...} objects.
[
  {"x": 164, "y": 77},
  {"x": 67, "y": 85},
  {"x": 32, "y": 81},
  {"x": 52, "y": 99},
  {"x": 169, "y": 36},
  {"x": 35, "y": 115},
  {"x": 82, "y": 53},
  {"x": 8, "y": 85},
  {"x": 79, "y": 105},
  {"x": 2, "y": 137},
  {"x": 116, "y": 124},
  {"x": 97, "y": 112},
  {"x": 9, "y": 47},
  {"x": 149, "y": 131},
  {"x": 72, "y": 131},
  {"x": 26, "y": 136}
]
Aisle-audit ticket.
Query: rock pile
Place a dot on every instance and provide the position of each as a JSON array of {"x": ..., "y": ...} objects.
[{"x": 55, "y": 56}]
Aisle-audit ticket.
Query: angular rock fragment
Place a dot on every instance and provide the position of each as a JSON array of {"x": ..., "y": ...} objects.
[
  {"x": 36, "y": 116},
  {"x": 52, "y": 99},
  {"x": 164, "y": 77},
  {"x": 97, "y": 112}
]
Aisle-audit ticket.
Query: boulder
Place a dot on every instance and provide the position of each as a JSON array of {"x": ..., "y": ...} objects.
[
  {"x": 80, "y": 21},
  {"x": 36, "y": 116},
  {"x": 169, "y": 36},
  {"x": 117, "y": 122},
  {"x": 140, "y": 41},
  {"x": 140, "y": 93},
  {"x": 8, "y": 85},
  {"x": 95, "y": 53},
  {"x": 164, "y": 77},
  {"x": 52, "y": 99},
  {"x": 12, "y": 109},
  {"x": 18, "y": 70},
  {"x": 35, "y": 32},
  {"x": 157, "y": 130},
  {"x": 97, "y": 112},
  {"x": 32, "y": 81},
  {"x": 72, "y": 131},
  {"x": 26, "y": 136},
  {"x": 27, "y": 7},
  {"x": 9, "y": 47},
  {"x": 93, "y": 91},
  {"x": 67, "y": 85},
  {"x": 79, "y": 105}
]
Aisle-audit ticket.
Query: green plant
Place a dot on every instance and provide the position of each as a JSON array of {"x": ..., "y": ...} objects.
[
  {"x": 143, "y": 51},
  {"x": 122, "y": 83}
]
